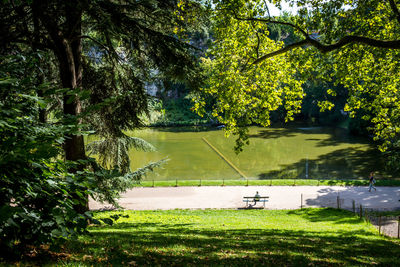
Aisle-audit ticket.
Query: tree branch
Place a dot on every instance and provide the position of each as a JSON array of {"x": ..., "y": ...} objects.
[
  {"x": 281, "y": 51},
  {"x": 395, "y": 9},
  {"x": 395, "y": 44}
]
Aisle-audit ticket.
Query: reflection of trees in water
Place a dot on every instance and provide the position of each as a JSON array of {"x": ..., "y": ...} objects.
[
  {"x": 267, "y": 156},
  {"x": 336, "y": 135},
  {"x": 346, "y": 163}
]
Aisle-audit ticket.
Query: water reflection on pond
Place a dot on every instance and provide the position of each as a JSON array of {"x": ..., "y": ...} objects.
[{"x": 205, "y": 153}]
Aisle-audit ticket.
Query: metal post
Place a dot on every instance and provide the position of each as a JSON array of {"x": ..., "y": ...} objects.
[
  {"x": 301, "y": 201},
  {"x": 318, "y": 182},
  {"x": 176, "y": 183},
  {"x": 153, "y": 183},
  {"x": 398, "y": 228},
  {"x": 354, "y": 206},
  {"x": 223, "y": 182},
  {"x": 270, "y": 182},
  {"x": 337, "y": 201},
  {"x": 379, "y": 224},
  {"x": 360, "y": 211},
  {"x": 247, "y": 182},
  {"x": 200, "y": 183}
]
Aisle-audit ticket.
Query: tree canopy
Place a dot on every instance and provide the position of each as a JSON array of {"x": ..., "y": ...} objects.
[
  {"x": 69, "y": 68},
  {"x": 352, "y": 43}
]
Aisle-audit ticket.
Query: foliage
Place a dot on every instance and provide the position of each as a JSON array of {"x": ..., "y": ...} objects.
[
  {"x": 361, "y": 36},
  {"x": 143, "y": 48},
  {"x": 175, "y": 112},
  {"x": 37, "y": 192},
  {"x": 106, "y": 51},
  {"x": 307, "y": 237},
  {"x": 113, "y": 152},
  {"x": 369, "y": 73},
  {"x": 247, "y": 93}
]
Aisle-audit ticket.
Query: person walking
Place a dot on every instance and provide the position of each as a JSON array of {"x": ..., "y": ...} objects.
[{"x": 372, "y": 181}]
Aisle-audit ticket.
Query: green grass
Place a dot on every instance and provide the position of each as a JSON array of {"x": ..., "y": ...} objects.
[
  {"x": 277, "y": 182},
  {"x": 308, "y": 237}
]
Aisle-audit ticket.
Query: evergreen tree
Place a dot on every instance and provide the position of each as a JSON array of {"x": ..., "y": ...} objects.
[{"x": 104, "y": 51}]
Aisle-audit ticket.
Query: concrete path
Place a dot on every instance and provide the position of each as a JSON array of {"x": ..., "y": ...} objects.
[{"x": 281, "y": 197}]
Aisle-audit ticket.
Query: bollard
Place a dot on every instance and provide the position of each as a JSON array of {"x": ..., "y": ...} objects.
[
  {"x": 379, "y": 224},
  {"x": 398, "y": 228},
  {"x": 338, "y": 202},
  {"x": 360, "y": 211},
  {"x": 354, "y": 206},
  {"x": 301, "y": 201}
]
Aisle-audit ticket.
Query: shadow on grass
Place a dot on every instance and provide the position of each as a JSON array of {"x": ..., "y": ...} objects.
[
  {"x": 336, "y": 216},
  {"x": 240, "y": 247},
  {"x": 168, "y": 244}
]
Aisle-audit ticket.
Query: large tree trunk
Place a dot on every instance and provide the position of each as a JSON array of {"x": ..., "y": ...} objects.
[
  {"x": 72, "y": 78},
  {"x": 67, "y": 47}
]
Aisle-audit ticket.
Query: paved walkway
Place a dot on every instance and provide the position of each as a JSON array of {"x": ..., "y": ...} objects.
[{"x": 281, "y": 197}]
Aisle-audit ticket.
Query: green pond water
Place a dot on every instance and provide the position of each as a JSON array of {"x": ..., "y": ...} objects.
[{"x": 273, "y": 153}]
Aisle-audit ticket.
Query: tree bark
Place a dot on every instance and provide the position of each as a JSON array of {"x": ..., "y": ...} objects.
[
  {"x": 74, "y": 144},
  {"x": 68, "y": 49}
]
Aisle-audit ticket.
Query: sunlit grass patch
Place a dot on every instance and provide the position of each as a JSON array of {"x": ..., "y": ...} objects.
[{"x": 322, "y": 237}]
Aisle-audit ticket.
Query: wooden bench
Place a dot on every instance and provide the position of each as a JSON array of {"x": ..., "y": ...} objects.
[{"x": 251, "y": 199}]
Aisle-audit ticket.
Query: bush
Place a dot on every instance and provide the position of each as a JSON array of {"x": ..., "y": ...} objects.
[{"x": 37, "y": 192}]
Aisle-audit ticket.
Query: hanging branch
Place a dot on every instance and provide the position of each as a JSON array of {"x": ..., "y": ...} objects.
[{"x": 324, "y": 48}]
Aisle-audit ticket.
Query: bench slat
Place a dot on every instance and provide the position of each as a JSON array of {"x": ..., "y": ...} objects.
[{"x": 258, "y": 197}]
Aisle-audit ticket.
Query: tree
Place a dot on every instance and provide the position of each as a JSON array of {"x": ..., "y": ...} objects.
[
  {"x": 246, "y": 93},
  {"x": 104, "y": 50},
  {"x": 353, "y": 43}
]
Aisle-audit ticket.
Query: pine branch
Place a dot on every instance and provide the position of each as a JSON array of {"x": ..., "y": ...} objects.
[{"x": 114, "y": 151}]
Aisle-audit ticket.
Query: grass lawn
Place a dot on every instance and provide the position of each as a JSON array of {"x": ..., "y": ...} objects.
[
  {"x": 275, "y": 182},
  {"x": 307, "y": 237}
]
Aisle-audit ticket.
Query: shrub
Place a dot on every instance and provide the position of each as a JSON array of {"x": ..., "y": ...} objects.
[{"x": 37, "y": 192}]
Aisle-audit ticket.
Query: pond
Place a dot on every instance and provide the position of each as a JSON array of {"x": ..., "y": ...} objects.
[{"x": 273, "y": 153}]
